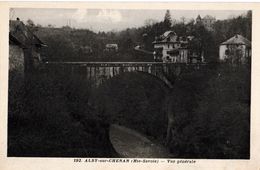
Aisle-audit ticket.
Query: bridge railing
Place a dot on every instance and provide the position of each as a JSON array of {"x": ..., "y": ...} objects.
[
  {"x": 99, "y": 71},
  {"x": 126, "y": 64},
  {"x": 70, "y": 67}
]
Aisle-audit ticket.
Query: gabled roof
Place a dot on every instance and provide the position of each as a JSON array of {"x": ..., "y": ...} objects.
[
  {"x": 21, "y": 33},
  {"x": 167, "y": 34},
  {"x": 164, "y": 36},
  {"x": 238, "y": 40}
]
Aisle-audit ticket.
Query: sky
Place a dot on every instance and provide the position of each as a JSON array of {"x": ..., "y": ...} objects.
[{"x": 109, "y": 19}]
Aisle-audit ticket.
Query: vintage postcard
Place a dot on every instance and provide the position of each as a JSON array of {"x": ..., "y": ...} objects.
[{"x": 129, "y": 85}]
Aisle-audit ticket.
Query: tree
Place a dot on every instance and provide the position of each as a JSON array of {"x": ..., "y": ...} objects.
[
  {"x": 150, "y": 22},
  {"x": 38, "y": 25},
  {"x": 167, "y": 20},
  {"x": 50, "y": 26},
  {"x": 30, "y": 24},
  {"x": 225, "y": 100}
]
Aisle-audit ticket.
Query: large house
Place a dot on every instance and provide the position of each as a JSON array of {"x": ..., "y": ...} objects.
[
  {"x": 169, "y": 48},
  {"x": 235, "y": 50},
  {"x": 24, "y": 47},
  {"x": 172, "y": 48}
]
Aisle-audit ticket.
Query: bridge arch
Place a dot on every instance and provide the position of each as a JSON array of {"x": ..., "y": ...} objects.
[
  {"x": 151, "y": 78},
  {"x": 146, "y": 78},
  {"x": 134, "y": 100},
  {"x": 99, "y": 72}
]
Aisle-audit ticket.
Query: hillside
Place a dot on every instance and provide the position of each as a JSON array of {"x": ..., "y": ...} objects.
[{"x": 70, "y": 44}]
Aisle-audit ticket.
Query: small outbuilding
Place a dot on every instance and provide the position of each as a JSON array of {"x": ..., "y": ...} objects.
[
  {"x": 24, "y": 47},
  {"x": 236, "y": 50},
  {"x": 111, "y": 48}
]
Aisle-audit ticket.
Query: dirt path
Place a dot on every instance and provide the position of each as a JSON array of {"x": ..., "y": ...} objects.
[{"x": 131, "y": 144}]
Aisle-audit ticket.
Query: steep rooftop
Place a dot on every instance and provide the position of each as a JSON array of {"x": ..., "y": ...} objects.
[
  {"x": 237, "y": 39},
  {"x": 21, "y": 33}
]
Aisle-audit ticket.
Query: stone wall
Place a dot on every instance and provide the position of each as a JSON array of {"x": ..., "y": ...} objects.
[
  {"x": 16, "y": 59},
  {"x": 16, "y": 80}
]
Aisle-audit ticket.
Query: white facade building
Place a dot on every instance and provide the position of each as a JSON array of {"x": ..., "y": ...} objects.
[
  {"x": 237, "y": 49},
  {"x": 171, "y": 48}
]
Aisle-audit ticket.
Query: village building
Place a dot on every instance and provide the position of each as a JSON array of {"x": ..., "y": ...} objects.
[
  {"x": 235, "y": 50},
  {"x": 111, "y": 48},
  {"x": 169, "y": 48},
  {"x": 207, "y": 21},
  {"x": 85, "y": 50},
  {"x": 172, "y": 48},
  {"x": 24, "y": 46}
]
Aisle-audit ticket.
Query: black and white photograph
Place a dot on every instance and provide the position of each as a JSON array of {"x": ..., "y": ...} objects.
[{"x": 129, "y": 83}]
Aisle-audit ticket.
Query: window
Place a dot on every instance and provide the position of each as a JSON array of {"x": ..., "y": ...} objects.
[{"x": 227, "y": 52}]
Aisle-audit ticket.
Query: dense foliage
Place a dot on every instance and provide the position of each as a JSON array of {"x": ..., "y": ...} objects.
[
  {"x": 214, "y": 120},
  {"x": 49, "y": 116}
]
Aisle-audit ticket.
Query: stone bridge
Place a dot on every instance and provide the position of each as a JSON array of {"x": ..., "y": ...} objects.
[{"x": 98, "y": 72}]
